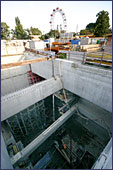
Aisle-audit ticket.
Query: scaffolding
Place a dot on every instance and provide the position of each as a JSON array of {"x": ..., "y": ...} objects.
[{"x": 29, "y": 123}]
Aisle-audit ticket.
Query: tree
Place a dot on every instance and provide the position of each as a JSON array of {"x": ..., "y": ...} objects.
[
  {"x": 43, "y": 37},
  {"x": 63, "y": 31},
  {"x": 5, "y": 33},
  {"x": 102, "y": 23},
  {"x": 28, "y": 31},
  {"x": 54, "y": 34},
  {"x": 19, "y": 32},
  {"x": 46, "y": 36},
  {"x": 91, "y": 27},
  {"x": 85, "y": 32},
  {"x": 51, "y": 34},
  {"x": 35, "y": 31},
  {"x": 110, "y": 30}
]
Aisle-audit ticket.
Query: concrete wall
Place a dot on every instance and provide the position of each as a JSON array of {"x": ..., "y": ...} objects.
[
  {"x": 95, "y": 113},
  {"x": 20, "y": 100},
  {"x": 91, "y": 83},
  {"x": 5, "y": 160},
  {"x": 105, "y": 159},
  {"x": 85, "y": 41},
  {"x": 12, "y": 59},
  {"x": 14, "y": 79},
  {"x": 12, "y": 47},
  {"x": 37, "y": 45}
]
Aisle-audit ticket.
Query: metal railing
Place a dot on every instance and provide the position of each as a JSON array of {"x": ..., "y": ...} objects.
[{"x": 99, "y": 59}]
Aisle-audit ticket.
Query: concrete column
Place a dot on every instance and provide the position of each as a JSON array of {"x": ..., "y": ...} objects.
[{"x": 53, "y": 107}]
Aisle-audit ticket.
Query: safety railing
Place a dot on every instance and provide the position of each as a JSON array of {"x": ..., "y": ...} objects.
[{"x": 99, "y": 59}]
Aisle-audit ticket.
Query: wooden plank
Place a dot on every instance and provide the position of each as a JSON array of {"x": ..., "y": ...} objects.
[
  {"x": 58, "y": 43},
  {"x": 26, "y": 62},
  {"x": 9, "y": 55}
]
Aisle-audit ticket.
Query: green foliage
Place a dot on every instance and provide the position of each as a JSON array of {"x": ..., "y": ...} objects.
[
  {"x": 19, "y": 32},
  {"x": 4, "y": 31},
  {"x": 28, "y": 31},
  {"x": 62, "y": 56},
  {"x": 110, "y": 30},
  {"x": 43, "y": 37},
  {"x": 54, "y": 34},
  {"x": 17, "y": 21},
  {"x": 35, "y": 31},
  {"x": 102, "y": 23},
  {"x": 99, "y": 28},
  {"x": 75, "y": 34},
  {"x": 63, "y": 31},
  {"x": 91, "y": 27},
  {"x": 51, "y": 34},
  {"x": 85, "y": 32},
  {"x": 46, "y": 36}
]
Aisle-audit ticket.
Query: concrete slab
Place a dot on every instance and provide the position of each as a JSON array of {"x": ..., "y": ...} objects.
[{"x": 20, "y": 100}]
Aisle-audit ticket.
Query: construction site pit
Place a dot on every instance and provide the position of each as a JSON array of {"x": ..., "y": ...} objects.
[{"x": 72, "y": 142}]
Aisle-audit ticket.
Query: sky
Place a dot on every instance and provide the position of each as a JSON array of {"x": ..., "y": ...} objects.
[{"x": 37, "y": 13}]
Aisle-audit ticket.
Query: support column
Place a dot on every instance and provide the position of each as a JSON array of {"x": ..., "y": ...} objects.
[
  {"x": 53, "y": 58},
  {"x": 53, "y": 107}
]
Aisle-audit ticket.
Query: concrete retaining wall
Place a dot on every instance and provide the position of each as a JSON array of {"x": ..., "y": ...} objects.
[
  {"x": 37, "y": 45},
  {"x": 5, "y": 160},
  {"x": 12, "y": 59},
  {"x": 12, "y": 47},
  {"x": 20, "y": 100},
  {"x": 14, "y": 79},
  {"x": 91, "y": 83},
  {"x": 95, "y": 113}
]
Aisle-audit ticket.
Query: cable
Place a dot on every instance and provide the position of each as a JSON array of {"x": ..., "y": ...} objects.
[{"x": 86, "y": 118}]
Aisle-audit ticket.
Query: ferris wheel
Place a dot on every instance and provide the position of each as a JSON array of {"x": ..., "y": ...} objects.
[{"x": 63, "y": 17}]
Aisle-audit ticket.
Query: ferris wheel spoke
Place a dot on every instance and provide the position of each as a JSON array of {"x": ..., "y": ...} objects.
[{"x": 62, "y": 15}]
